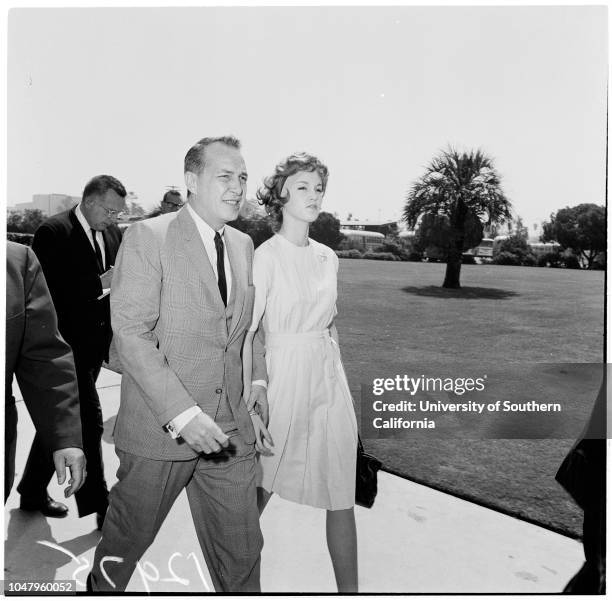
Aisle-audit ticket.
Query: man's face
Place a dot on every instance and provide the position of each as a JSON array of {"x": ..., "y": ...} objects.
[
  {"x": 103, "y": 210},
  {"x": 218, "y": 191},
  {"x": 172, "y": 203}
]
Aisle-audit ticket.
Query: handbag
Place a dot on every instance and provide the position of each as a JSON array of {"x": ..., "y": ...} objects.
[{"x": 366, "y": 482}]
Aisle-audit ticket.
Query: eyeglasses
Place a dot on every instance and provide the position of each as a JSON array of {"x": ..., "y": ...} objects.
[
  {"x": 113, "y": 213},
  {"x": 173, "y": 204}
]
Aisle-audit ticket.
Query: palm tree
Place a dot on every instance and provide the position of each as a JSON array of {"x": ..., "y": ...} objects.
[{"x": 462, "y": 188}]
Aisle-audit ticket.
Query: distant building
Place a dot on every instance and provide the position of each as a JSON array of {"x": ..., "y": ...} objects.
[
  {"x": 534, "y": 233},
  {"x": 382, "y": 227},
  {"x": 49, "y": 204},
  {"x": 365, "y": 235},
  {"x": 537, "y": 248}
]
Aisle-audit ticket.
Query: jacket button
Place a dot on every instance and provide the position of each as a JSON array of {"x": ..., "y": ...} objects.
[{"x": 219, "y": 390}]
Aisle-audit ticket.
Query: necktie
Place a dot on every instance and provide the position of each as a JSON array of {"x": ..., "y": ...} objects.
[
  {"x": 98, "y": 252},
  {"x": 221, "y": 268}
]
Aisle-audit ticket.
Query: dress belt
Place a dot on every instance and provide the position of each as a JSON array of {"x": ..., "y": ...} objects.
[
  {"x": 283, "y": 338},
  {"x": 330, "y": 355}
]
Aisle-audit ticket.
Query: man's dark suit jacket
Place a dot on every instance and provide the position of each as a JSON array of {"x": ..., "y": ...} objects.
[
  {"x": 69, "y": 264},
  {"x": 38, "y": 357}
]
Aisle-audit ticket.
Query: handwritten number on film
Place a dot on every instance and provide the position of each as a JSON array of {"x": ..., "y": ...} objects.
[{"x": 148, "y": 572}]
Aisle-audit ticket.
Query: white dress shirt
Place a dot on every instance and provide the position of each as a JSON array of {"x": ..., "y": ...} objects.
[
  {"x": 88, "y": 232},
  {"x": 208, "y": 238}
]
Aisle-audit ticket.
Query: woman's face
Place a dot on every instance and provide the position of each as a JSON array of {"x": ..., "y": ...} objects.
[{"x": 304, "y": 190}]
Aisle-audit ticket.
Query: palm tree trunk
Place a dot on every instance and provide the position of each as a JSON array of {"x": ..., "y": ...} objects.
[
  {"x": 453, "y": 264},
  {"x": 453, "y": 268}
]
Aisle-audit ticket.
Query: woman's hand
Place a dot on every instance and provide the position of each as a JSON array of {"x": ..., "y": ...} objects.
[{"x": 263, "y": 441}]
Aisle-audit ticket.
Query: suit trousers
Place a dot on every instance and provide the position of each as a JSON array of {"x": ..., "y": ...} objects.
[
  {"x": 591, "y": 578},
  {"x": 10, "y": 447},
  {"x": 92, "y": 497},
  {"x": 221, "y": 489}
]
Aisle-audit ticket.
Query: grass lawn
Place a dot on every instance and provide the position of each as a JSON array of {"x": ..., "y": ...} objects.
[{"x": 394, "y": 318}]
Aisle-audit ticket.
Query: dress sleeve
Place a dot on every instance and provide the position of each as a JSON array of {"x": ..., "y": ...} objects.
[
  {"x": 336, "y": 265},
  {"x": 335, "y": 261},
  {"x": 261, "y": 283}
]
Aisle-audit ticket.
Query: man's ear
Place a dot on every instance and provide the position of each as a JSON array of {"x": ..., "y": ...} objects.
[{"x": 191, "y": 181}]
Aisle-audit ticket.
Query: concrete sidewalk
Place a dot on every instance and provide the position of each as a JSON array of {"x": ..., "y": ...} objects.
[{"x": 414, "y": 540}]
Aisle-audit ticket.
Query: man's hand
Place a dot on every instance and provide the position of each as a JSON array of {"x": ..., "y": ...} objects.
[
  {"x": 259, "y": 396},
  {"x": 262, "y": 436},
  {"x": 203, "y": 435},
  {"x": 73, "y": 459},
  {"x": 107, "y": 278}
]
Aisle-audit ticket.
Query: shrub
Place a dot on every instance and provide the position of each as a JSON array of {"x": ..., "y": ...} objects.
[
  {"x": 529, "y": 260},
  {"x": 549, "y": 259},
  {"x": 26, "y": 222},
  {"x": 352, "y": 253},
  {"x": 326, "y": 230},
  {"x": 570, "y": 260},
  {"x": 395, "y": 249},
  {"x": 515, "y": 245},
  {"x": 380, "y": 256},
  {"x": 258, "y": 227},
  {"x": 415, "y": 255},
  {"x": 468, "y": 259},
  {"x": 599, "y": 262},
  {"x": 20, "y": 238},
  {"x": 506, "y": 258}
]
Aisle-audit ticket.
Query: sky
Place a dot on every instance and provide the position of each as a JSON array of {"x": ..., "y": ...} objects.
[{"x": 374, "y": 92}]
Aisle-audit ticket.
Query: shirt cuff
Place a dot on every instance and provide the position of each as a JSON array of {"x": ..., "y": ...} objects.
[
  {"x": 260, "y": 383},
  {"x": 175, "y": 425}
]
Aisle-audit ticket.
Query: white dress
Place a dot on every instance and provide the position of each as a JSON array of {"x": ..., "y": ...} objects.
[{"x": 312, "y": 418}]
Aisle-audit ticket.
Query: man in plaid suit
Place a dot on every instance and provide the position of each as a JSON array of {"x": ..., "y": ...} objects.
[{"x": 181, "y": 302}]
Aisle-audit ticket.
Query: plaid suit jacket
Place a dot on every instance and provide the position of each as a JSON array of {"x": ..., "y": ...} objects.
[{"x": 172, "y": 334}]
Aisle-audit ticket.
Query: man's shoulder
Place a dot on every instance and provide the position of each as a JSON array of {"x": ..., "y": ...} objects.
[
  {"x": 16, "y": 251},
  {"x": 153, "y": 228},
  {"x": 17, "y": 255},
  {"x": 59, "y": 225},
  {"x": 237, "y": 236},
  {"x": 59, "y": 220}
]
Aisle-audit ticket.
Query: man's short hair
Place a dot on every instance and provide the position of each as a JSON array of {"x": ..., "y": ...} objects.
[
  {"x": 101, "y": 184},
  {"x": 174, "y": 193},
  {"x": 194, "y": 159}
]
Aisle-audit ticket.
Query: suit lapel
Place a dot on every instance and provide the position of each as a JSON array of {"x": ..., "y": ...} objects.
[
  {"x": 239, "y": 272},
  {"x": 199, "y": 257}
]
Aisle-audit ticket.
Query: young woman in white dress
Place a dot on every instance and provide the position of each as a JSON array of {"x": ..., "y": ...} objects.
[{"x": 311, "y": 416}]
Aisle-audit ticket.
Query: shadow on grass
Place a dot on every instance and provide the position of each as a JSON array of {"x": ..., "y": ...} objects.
[{"x": 466, "y": 292}]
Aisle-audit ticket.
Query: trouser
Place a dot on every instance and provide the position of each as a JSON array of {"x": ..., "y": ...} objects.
[
  {"x": 221, "y": 489},
  {"x": 92, "y": 497},
  {"x": 10, "y": 446},
  {"x": 591, "y": 578}
]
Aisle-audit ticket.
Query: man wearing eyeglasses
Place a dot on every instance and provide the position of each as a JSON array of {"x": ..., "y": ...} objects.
[
  {"x": 171, "y": 202},
  {"x": 77, "y": 251}
]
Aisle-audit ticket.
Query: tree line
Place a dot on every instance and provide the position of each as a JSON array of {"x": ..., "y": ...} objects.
[{"x": 450, "y": 205}]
